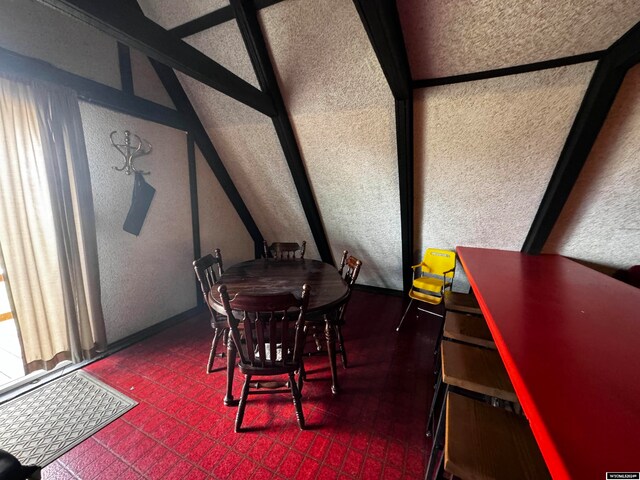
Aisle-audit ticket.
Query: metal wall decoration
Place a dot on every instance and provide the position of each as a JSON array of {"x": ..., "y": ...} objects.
[{"x": 131, "y": 152}]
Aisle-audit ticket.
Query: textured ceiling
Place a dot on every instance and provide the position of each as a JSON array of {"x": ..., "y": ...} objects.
[
  {"x": 323, "y": 58},
  {"x": 35, "y": 30},
  {"x": 224, "y": 44},
  {"x": 251, "y": 152},
  {"x": 146, "y": 83},
  {"x": 600, "y": 223},
  {"x": 484, "y": 153},
  {"x": 170, "y": 13},
  {"x": 220, "y": 225},
  {"x": 343, "y": 117},
  {"x": 445, "y": 37},
  {"x": 507, "y": 131}
]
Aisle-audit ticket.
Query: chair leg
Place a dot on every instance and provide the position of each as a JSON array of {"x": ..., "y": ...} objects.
[
  {"x": 317, "y": 339},
  {"x": 330, "y": 334},
  {"x": 243, "y": 403},
  {"x": 231, "y": 369},
  {"x": 302, "y": 375},
  {"x": 297, "y": 402},
  {"x": 405, "y": 314},
  {"x": 343, "y": 352},
  {"x": 434, "y": 403},
  {"x": 440, "y": 469},
  {"x": 438, "y": 443},
  {"x": 436, "y": 350},
  {"x": 217, "y": 335}
]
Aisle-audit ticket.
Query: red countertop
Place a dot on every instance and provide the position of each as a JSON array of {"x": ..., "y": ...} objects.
[{"x": 569, "y": 337}]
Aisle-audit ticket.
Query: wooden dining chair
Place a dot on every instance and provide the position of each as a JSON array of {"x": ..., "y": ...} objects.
[
  {"x": 349, "y": 270},
  {"x": 271, "y": 343},
  {"x": 463, "y": 328},
  {"x": 471, "y": 371},
  {"x": 461, "y": 302},
  {"x": 206, "y": 268},
  {"x": 284, "y": 250},
  {"x": 464, "y": 319},
  {"x": 483, "y": 442},
  {"x": 333, "y": 322}
]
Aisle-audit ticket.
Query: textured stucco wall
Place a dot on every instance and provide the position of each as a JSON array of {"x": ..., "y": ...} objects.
[
  {"x": 35, "y": 30},
  {"x": 148, "y": 278},
  {"x": 220, "y": 225},
  {"x": 600, "y": 222},
  {"x": 171, "y": 13},
  {"x": 343, "y": 115},
  {"x": 224, "y": 44},
  {"x": 484, "y": 153},
  {"x": 445, "y": 37},
  {"x": 144, "y": 279},
  {"x": 247, "y": 143},
  {"x": 146, "y": 83}
]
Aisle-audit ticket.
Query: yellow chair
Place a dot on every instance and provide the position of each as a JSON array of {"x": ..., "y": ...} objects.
[{"x": 436, "y": 275}]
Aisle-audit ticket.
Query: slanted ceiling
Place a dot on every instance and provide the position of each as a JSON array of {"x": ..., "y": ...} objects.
[
  {"x": 342, "y": 114},
  {"x": 485, "y": 151},
  {"x": 170, "y": 13},
  {"x": 603, "y": 210},
  {"x": 445, "y": 38}
]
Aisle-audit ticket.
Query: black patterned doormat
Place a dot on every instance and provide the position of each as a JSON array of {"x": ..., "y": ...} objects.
[{"x": 41, "y": 425}]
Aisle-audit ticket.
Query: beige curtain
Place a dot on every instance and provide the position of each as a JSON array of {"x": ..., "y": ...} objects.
[{"x": 47, "y": 225}]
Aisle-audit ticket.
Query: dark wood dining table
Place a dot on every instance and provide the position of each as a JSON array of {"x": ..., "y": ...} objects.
[{"x": 268, "y": 276}]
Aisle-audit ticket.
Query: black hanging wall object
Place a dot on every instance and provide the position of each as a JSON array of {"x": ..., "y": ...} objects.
[
  {"x": 142, "y": 195},
  {"x": 142, "y": 192}
]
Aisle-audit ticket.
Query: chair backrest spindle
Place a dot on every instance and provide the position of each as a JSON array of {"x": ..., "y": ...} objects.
[
  {"x": 284, "y": 250},
  {"x": 349, "y": 268},
  {"x": 206, "y": 268},
  {"x": 267, "y": 340}
]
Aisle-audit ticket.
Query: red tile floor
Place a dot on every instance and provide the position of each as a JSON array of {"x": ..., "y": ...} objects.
[{"x": 374, "y": 428}]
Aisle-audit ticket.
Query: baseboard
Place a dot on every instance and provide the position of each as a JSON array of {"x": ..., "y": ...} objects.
[
  {"x": 378, "y": 290},
  {"x": 47, "y": 377},
  {"x": 149, "y": 331}
]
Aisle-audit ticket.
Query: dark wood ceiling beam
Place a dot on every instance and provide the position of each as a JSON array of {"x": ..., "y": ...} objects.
[
  {"x": 197, "y": 133},
  {"x": 254, "y": 41},
  {"x": 89, "y": 90},
  {"x": 404, "y": 142},
  {"x": 598, "y": 99},
  {"x": 195, "y": 212},
  {"x": 203, "y": 23},
  {"x": 503, "y": 72},
  {"x": 625, "y": 52},
  {"x": 260, "y": 4},
  {"x": 382, "y": 24},
  {"x": 214, "y": 18},
  {"x": 180, "y": 99},
  {"x": 126, "y": 74},
  {"x": 129, "y": 26}
]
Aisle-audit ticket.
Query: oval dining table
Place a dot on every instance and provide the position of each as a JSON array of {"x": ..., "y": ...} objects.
[{"x": 269, "y": 276}]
